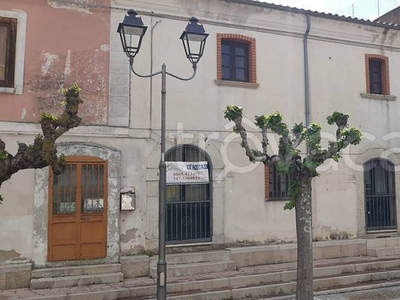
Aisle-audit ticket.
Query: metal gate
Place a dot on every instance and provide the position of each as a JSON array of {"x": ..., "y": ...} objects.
[
  {"x": 380, "y": 195},
  {"x": 189, "y": 206}
]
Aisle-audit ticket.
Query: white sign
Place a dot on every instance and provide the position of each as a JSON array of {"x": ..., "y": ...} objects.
[{"x": 179, "y": 172}]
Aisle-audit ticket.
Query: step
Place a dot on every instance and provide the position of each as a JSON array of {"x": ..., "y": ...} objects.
[
  {"x": 219, "y": 288},
  {"x": 282, "y": 253},
  {"x": 384, "y": 251},
  {"x": 383, "y": 242},
  {"x": 285, "y": 288},
  {"x": 193, "y": 257},
  {"x": 196, "y": 268},
  {"x": 283, "y": 281},
  {"x": 79, "y": 280},
  {"x": 263, "y": 280},
  {"x": 75, "y": 271}
]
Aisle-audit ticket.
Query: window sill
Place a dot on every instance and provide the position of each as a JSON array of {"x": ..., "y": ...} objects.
[
  {"x": 249, "y": 85},
  {"x": 275, "y": 199},
  {"x": 4, "y": 90},
  {"x": 378, "y": 97}
]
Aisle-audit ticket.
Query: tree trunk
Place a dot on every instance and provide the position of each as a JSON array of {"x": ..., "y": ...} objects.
[{"x": 304, "y": 290}]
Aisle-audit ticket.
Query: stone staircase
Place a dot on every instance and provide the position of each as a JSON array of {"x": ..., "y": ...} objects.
[
  {"x": 273, "y": 281},
  {"x": 194, "y": 263},
  {"x": 281, "y": 284},
  {"x": 235, "y": 273},
  {"x": 75, "y": 276},
  {"x": 382, "y": 247}
]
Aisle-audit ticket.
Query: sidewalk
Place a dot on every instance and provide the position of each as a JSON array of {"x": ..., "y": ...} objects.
[
  {"x": 123, "y": 290},
  {"x": 390, "y": 293}
]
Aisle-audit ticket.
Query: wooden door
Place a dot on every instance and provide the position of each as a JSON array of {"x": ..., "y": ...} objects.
[{"x": 78, "y": 210}]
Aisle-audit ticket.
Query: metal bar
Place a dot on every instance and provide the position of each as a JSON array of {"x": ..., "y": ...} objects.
[
  {"x": 176, "y": 222},
  {"x": 191, "y": 222},
  {"x": 162, "y": 264},
  {"x": 195, "y": 221},
  {"x": 186, "y": 220}
]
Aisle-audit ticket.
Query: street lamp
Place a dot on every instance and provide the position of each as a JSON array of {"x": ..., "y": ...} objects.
[{"x": 131, "y": 31}]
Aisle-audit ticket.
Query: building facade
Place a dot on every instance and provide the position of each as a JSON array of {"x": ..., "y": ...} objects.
[{"x": 262, "y": 57}]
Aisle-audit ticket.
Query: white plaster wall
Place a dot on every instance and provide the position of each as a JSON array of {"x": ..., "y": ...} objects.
[
  {"x": 195, "y": 115},
  {"x": 16, "y": 211},
  {"x": 337, "y": 77}
]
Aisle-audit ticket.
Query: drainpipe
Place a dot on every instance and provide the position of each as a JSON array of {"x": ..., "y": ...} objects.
[
  {"x": 151, "y": 71},
  {"x": 306, "y": 73}
]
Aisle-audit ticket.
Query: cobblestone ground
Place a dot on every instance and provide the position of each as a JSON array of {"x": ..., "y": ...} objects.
[{"x": 389, "y": 293}]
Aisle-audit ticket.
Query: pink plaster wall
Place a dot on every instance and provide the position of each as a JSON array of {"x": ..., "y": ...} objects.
[{"x": 62, "y": 34}]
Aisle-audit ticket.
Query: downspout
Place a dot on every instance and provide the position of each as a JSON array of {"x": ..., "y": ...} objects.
[
  {"x": 306, "y": 73},
  {"x": 151, "y": 71}
]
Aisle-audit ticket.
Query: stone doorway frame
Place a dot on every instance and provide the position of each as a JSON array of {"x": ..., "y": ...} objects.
[{"x": 40, "y": 209}]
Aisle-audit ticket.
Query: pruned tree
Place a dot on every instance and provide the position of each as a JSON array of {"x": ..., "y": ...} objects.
[
  {"x": 42, "y": 152},
  {"x": 302, "y": 168}
]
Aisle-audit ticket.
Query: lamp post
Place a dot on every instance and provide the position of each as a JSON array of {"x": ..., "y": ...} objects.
[{"x": 194, "y": 37}]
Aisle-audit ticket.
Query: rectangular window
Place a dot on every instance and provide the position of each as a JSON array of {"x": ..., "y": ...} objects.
[
  {"x": 377, "y": 74},
  {"x": 8, "y": 33},
  {"x": 276, "y": 185},
  {"x": 235, "y": 61},
  {"x": 80, "y": 183}
]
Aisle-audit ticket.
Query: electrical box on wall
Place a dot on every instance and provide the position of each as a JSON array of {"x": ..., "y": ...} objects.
[{"x": 128, "y": 199}]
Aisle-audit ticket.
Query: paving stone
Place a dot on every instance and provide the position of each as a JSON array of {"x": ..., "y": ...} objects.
[{"x": 390, "y": 293}]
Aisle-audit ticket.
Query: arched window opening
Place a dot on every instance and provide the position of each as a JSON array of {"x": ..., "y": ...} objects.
[{"x": 189, "y": 195}]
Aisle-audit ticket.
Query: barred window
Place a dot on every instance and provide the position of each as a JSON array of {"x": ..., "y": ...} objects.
[
  {"x": 276, "y": 185},
  {"x": 82, "y": 185}
]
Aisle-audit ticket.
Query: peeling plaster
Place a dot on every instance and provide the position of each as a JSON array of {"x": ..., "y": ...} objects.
[
  {"x": 88, "y": 68},
  {"x": 49, "y": 60},
  {"x": 67, "y": 69},
  {"x": 74, "y": 5},
  {"x": 23, "y": 113},
  {"x": 129, "y": 236},
  {"x": 105, "y": 48},
  {"x": 8, "y": 255}
]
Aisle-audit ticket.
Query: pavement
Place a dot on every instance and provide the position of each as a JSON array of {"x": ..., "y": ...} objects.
[{"x": 389, "y": 293}]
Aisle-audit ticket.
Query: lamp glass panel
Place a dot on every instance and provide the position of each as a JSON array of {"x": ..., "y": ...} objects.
[
  {"x": 195, "y": 47},
  {"x": 128, "y": 30},
  {"x": 195, "y": 37},
  {"x": 132, "y": 41}
]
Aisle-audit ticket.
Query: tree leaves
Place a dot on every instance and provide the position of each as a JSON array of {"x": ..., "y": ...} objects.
[
  {"x": 233, "y": 112},
  {"x": 289, "y": 160}
]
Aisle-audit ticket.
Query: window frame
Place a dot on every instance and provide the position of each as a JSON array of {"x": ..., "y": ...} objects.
[
  {"x": 271, "y": 174},
  {"x": 11, "y": 38},
  {"x": 79, "y": 162},
  {"x": 236, "y": 39},
  {"x": 20, "y": 18},
  {"x": 233, "y": 57},
  {"x": 384, "y": 74}
]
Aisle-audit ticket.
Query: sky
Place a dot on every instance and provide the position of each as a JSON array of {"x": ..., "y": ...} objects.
[{"x": 364, "y": 9}]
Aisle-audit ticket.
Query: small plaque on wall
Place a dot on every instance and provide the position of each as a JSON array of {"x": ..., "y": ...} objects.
[{"x": 128, "y": 199}]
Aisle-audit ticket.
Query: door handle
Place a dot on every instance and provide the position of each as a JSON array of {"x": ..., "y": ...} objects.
[{"x": 85, "y": 218}]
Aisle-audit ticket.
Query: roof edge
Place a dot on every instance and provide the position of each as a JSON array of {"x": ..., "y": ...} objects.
[{"x": 316, "y": 13}]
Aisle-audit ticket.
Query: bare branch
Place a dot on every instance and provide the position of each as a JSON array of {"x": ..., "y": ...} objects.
[
  {"x": 243, "y": 134},
  {"x": 43, "y": 152}
]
